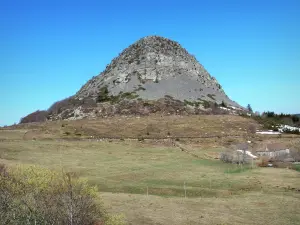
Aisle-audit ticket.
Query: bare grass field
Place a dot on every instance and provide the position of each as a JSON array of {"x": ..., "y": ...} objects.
[{"x": 155, "y": 181}]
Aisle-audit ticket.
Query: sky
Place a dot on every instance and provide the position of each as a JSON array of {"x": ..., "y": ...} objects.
[{"x": 49, "y": 49}]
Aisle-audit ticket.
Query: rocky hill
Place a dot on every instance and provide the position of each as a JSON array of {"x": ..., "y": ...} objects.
[
  {"x": 154, "y": 67},
  {"x": 153, "y": 74}
]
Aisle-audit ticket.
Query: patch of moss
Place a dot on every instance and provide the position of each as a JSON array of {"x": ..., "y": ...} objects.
[
  {"x": 104, "y": 96},
  {"x": 194, "y": 103},
  {"x": 206, "y": 104},
  {"x": 212, "y": 96},
  {"x": 186, "y": 102},
  {"x": 129, "y": 95}
]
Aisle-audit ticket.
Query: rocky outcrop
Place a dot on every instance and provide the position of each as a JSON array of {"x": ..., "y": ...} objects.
[
  {"x": 154, "y": 74},
  {"x": 154, "y": 67}
]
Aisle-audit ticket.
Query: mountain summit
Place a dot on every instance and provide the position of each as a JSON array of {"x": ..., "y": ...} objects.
[
  {"x": 154, "y": 74},
  {"x": 154, "y": 67}
]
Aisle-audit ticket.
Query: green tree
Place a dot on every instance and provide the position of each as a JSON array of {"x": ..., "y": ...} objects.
[
  {"x": 223, "y": 104},
  {"x": 103, "y": 95},
  {"x": 249, "y": 108}
]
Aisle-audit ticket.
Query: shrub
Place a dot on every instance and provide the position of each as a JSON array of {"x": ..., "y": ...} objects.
[
  {"x": 263, "y": 162},
  {"x": 249, "y": 108},
  {"x": 67, "y": 133},
  {"x": 37, "y": 116},
  {"x": 140, "y": 138},
  {"x": 186, "y": 102},
  {"x": 211, "y": 96},
  {"x": 64, "y": 104},
  {"x": 226, "y": 157},
  {"x": 223, "y": 104},
  {"x": 103, "y": 95},
  {"x": 34, "y": 195},
  {"x": 295, "y": 154},
  {"x": 206, "y": 104},
  {"x": 296, "y": 167},
  {"x": 252, "y": 129},
  {"x": 232, "y": 156}
]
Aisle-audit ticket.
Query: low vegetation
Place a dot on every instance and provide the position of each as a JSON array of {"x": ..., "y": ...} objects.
[
  {"x": 37, "y": 116},
  {"x": 130, "y": 127},
  {"x": 136, "y": 177},
  {"x": 271, "y": 121},
  {"x": 170, "y": 174},
  {"x": 35, "y": 195},
  {"x": 231, "y": 156},
  {"x": 211, "y": 96}
]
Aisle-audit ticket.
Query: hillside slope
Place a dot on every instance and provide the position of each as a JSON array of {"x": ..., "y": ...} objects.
[
  {"x": 154, "y": 67},
  {"x": 152, "y": 75}
]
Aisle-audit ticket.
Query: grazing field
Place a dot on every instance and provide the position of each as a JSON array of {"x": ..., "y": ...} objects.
[
  {"x": 249, "y": 208},
  {"x": 160, "y": 184},
  {"x": 171, "y": 175},
  {"x": 154, "y": 126}
]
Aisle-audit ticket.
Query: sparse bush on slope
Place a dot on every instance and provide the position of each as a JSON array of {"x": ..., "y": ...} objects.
[{"x": 37, "y": 116}]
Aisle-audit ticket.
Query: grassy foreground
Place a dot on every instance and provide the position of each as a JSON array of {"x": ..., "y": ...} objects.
[{"x": 126, "y": 171}]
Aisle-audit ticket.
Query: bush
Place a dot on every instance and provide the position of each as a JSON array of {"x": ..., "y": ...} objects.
[
  {"x": 252, "y": 129},
  {"x": 206, "y": 104},
  {"x": 264, "y": 161},
  {"x": 296, "y": 167},
  {"x": 34, "y": 195},
  {"x": 37, "y": 116},
  {"x": 223, "y": 104},
  {"x": 62, "y": 105},
  {"x": 295, "y": 153},
  {"x": 231, "y": 156},
  {"x": 211, "y": 96},
  {"x": 140, "y": 138},
  {"x": 226, "y": 157},
  {"x": 103, "y": 95}
]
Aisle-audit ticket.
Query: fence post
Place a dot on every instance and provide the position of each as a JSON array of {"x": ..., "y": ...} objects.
[{"x": 184, "y": 189}]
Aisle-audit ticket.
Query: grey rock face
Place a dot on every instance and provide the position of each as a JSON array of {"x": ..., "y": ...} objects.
[{"x": 154, "y": 67}]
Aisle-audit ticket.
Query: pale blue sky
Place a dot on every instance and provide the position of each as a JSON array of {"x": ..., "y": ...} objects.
[{"x": 49, "y": 49}]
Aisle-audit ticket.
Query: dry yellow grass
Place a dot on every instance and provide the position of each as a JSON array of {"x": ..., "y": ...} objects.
[
  {"x": 131, "y": 166},
  {"x": 153, "y": 126},
  {"x": 217, "y": 193},
  {"x": 250, "y": 208}
]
